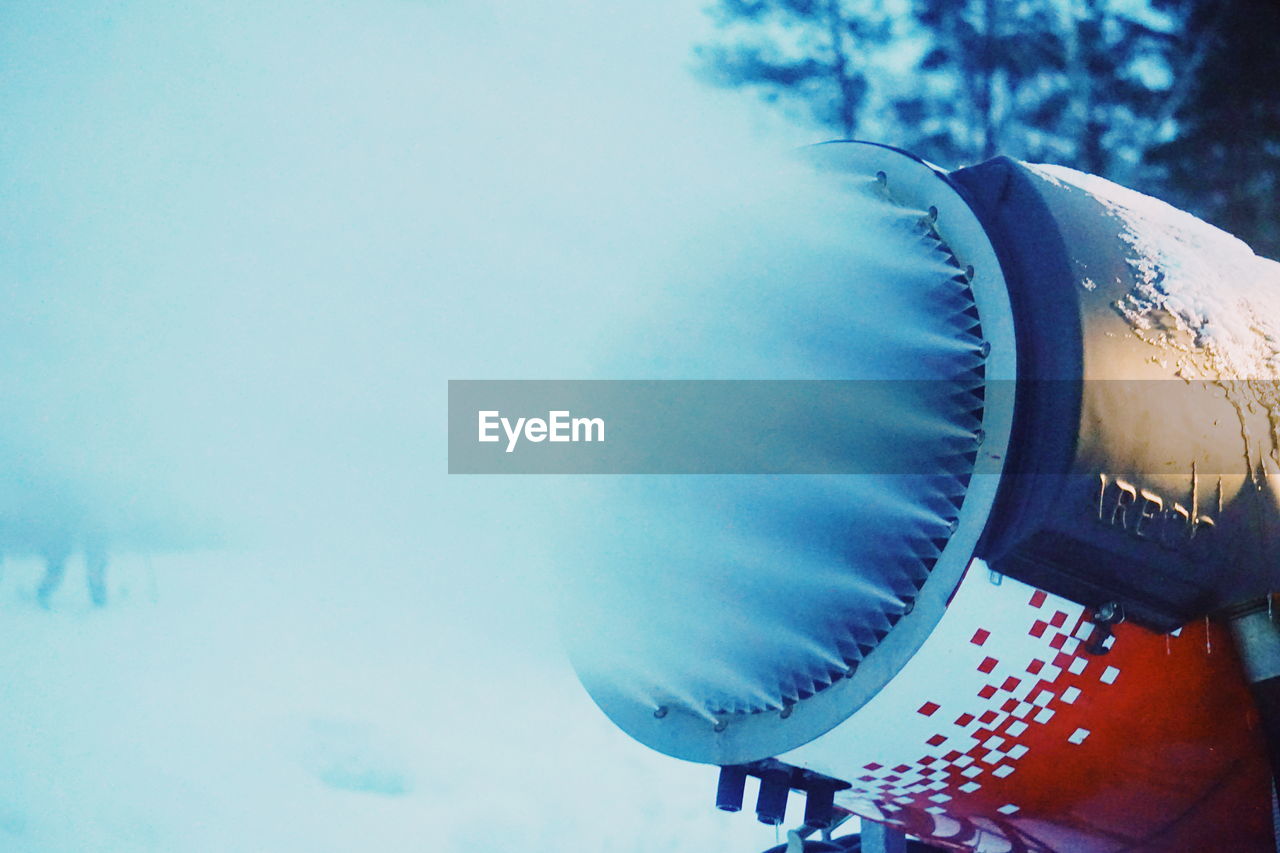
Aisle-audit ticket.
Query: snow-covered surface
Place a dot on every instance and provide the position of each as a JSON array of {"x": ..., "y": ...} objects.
[
  {"x": 270, "y": 702},
  {"x": 1201, "y": 294}
]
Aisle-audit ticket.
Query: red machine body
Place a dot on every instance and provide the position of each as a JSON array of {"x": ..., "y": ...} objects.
[{"x": 1009, "y": 735}]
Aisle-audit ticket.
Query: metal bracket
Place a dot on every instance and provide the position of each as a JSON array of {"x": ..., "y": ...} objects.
[{"x": 1107, "y": 615}]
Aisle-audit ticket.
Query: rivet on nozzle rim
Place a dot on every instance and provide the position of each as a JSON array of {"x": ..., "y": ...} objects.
[{"x": 984, "y": 349}]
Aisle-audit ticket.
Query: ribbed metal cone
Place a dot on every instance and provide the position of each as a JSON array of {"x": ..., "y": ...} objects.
[{"x": 741, "y": 594}]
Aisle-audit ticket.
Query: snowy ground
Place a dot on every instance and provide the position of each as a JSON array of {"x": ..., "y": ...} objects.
[{"x": 235, "y": 702}]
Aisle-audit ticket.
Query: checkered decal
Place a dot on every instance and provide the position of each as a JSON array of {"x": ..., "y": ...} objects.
[
  {"x": 966, "y": 745},
  {"x": 975, "y": 740}
]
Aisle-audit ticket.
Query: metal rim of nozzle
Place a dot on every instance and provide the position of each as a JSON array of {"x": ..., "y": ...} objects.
[{"x": 916, "y": 184}]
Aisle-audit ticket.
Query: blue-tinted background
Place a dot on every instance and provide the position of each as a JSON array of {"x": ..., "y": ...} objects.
[{"x": 244, "y": 245}]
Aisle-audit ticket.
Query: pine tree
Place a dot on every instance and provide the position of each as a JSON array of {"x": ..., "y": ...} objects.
[
  {"x": 979, "y": 78},
  {"x": 1119, "y": 58},
  {"x": 1068, "y": 81},
  {"x": 1223, "y": 162},
  {"x": 813, "y": 53}
]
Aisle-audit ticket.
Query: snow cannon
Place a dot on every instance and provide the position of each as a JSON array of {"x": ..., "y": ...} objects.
[{"x": 969, "y": 651}]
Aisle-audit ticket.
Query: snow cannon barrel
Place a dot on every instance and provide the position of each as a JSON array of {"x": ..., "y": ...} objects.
[
  {"x": 1142, "y": 468},
  {"x": 1107, "y": 364}
]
